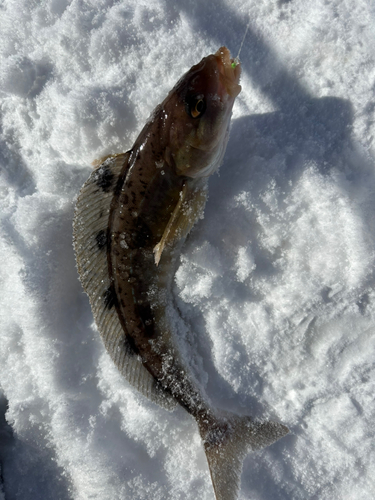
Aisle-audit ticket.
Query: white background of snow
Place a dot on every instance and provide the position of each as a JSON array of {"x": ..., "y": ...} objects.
[{"x": 276, "y": 284}]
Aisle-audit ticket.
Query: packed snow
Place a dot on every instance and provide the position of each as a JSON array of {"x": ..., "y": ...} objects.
[{"x": 275, "y": 286}]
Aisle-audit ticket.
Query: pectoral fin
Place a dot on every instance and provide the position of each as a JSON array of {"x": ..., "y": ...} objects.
[{"x": 187, "y": 211}]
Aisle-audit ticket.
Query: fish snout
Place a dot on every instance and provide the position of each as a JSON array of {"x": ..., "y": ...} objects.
[{"x": 229, "y": 73}]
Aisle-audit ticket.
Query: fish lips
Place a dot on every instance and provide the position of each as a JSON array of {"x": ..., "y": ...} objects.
[{"x": 229, "y": 74}]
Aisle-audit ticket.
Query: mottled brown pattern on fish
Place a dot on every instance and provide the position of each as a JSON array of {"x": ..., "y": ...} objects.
[
  {"x": 101, "y": 239},
  {"x": 132, "y": 217},
  {"x": 110, "y": 297},
  {"x": 140, "y": 212},
  {"x": 105, "y": 178},
  {"x": 141, "y": 209},
  {"x": 137, "y": 224}
]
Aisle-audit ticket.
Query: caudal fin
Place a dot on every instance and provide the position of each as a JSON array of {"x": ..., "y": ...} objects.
[{"x": 227, "y": 443}]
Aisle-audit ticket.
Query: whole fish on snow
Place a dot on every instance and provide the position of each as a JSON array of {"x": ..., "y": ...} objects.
[{"x": 132, "y": 217}]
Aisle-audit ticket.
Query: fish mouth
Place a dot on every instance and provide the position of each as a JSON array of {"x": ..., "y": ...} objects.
[{"x": 230, "y": 70}]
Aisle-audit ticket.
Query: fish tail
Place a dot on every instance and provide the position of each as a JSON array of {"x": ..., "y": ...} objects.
[{"x": 227, "y": 441}]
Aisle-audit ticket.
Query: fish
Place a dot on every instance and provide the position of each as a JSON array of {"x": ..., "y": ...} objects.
[{"x": 131, "y": 220}]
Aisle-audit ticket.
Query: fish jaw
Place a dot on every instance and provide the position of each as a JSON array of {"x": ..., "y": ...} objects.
[{"x": 230, "y": 71}]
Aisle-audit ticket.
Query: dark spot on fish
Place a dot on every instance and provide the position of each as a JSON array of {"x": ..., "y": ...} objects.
[
  {"x": 126, "y": 199},
  {"x": 105, "y": 178},
  {"x": 130, "y": 183},
  {"x": 147, "y": 318},
  {"x": 165, "y": 390},
  {"x": 134, "y": 197},
  {"x": 101, "y": 239},
  {"x": 130, "y": 347},
  {"x": 138, "y": 156},
  {"x": 141, "y": 237},
  {"x": 110, "y": 297}
]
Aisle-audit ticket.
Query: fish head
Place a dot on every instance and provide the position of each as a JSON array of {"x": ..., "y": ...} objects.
[{"x": 200, "y": 108}]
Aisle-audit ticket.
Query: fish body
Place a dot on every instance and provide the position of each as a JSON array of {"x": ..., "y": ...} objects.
[{"x": 132, "y": 217}]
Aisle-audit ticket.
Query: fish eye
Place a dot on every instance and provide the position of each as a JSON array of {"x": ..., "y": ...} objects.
[{"x": 195, "y": 106}]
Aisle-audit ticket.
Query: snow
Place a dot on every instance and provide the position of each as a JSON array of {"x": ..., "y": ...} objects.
[{"x": 275, "y": 285}]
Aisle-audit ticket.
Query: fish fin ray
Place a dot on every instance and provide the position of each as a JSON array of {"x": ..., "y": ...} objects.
[
  {"x": 187, "y": 211},
  {"x": 97, "y": 162},
  {"x": 227, "y": 446},
  {"x": 90, "y": 225}
]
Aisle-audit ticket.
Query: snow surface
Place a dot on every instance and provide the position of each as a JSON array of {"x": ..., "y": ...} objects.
[{"x": 276, "y": 283}]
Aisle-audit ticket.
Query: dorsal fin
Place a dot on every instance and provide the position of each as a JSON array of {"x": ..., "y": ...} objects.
[
  {"x": 227, "y": 444},
  {"x": 90, "y": 233}
]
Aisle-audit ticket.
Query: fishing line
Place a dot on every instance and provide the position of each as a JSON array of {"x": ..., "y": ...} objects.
[{"x": 236, "y": 60}]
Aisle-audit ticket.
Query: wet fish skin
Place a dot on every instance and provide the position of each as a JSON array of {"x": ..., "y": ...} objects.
[
  {"x": 151, "y": 196},
  {"x": 170, "y": 160}
]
